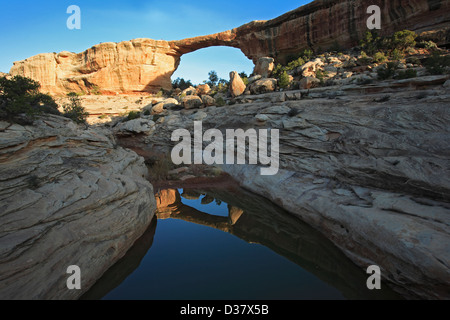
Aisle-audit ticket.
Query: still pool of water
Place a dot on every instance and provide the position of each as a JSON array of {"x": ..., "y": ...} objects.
[{"x": 230, "y": 244}]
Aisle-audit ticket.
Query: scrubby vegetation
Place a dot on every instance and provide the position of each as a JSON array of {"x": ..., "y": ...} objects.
[
  {"x": 21, "y": 96},
  {"x": 437, "y": 63},
  {"x": 400, "y": 41},
  {"x": 387, "y": 72},
  {"x": 74, "y": 110},
  {"x": 133, "y": 115},
  {"x": 181, "y": 83},
  {"x": 283, "y": 80},
  {"x": 406, "y": 74}
]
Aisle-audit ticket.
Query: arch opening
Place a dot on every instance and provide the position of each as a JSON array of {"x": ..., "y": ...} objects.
[{"x": 196, "y": 65}]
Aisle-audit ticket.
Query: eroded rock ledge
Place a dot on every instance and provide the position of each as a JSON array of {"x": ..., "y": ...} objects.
[
  {"x": 145, "y": 65},
  {"x": 69, "y": 196}
]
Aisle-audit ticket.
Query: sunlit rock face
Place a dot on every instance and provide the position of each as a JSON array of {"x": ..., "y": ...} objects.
[
  {"x": 139, "y": 65},
  {"x": 145, "y": 65}
]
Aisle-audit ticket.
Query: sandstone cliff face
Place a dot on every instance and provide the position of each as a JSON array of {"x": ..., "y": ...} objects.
[
  {"x": 140, "y": 65},
  {"x": 145, "y": 65},
  {"x": 322, "y": 23},
  {"x": 69, "y": 196}
]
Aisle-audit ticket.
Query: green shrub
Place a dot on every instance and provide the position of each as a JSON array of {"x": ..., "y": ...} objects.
[
  {"x": 413, "y": 60},
  {"x": 429, "y": 45},
  {"x": 147, "y": 112},
  {"x": 181, "y": 83},
  {"x": 294, "y": 64},
  {"x": 403, "y": 39},
  {"x": 20, "y": 95},
  {"x": 321, "y": 75},
  {"x": 220, "y": 102},
  {"x": 159, "y": 167},
  {"x": 437, "y": 63},
  {"x": 379, "y": 57},
  {"x": 74, "y": 110},
  {"x": 364, "y": 59},
  {"x": 400, "y": 40},
  {"x": 396, "y": 54},
  {"x": 370, "y": 43},
  {"x": 283, "y": 80},
  {"x": 133, "y": 115},
  {"x": 222, "y": 86},
  {"x": 388, "y": 71},
  {"x": 407, "y": 74},
  {"x": 307, "y": 54}
]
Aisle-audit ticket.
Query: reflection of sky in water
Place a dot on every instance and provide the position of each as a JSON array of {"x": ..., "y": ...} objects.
[
  {"x": 191, "y": 261},
  {"x": 211, "y": 208}
]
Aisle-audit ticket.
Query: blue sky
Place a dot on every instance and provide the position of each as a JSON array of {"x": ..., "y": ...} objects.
[{"x": 32, "y": 27}]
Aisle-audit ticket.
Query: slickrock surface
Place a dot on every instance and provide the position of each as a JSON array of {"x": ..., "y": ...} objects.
[
  {"x": 365, "y": 165},
  {"x": 68, "y": 196}
]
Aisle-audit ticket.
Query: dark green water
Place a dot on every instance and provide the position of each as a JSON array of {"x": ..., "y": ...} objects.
[{"x": 230, "y": 244}]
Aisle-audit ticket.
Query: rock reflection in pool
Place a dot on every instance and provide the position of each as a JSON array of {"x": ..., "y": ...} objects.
[{"x": 230, "y": 244}]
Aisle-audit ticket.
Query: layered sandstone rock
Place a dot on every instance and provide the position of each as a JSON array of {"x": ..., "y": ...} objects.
[
  {"x": 140, "y": 65},
  {"x": 145, "y": 65},
  {"x": 69, "y": 196}
]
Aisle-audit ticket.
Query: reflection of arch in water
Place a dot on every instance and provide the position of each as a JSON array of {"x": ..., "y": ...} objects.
[{"x": 256, "y": 220}]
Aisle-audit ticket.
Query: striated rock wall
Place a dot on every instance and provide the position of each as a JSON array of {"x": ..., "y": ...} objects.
[
  {"x": 145, "y": 65},
  {"x": 139, "y": 65},
  {"x": 68, "y": 196},
  {"x": 322, "y": 23}
]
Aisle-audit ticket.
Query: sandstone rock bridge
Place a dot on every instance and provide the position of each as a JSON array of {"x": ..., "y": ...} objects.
[{"x": 145, "y": 65}]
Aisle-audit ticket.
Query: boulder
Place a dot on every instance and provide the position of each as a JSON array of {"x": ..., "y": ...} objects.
[
  {"x": 331, "y": 70},
  {"x": 135, "y": 126},
  {"x": 254, "y": 78},
  {"x": 191, "y": 102},
  {"x": 310, "y": 68},
  {"x": 237, "y": 86},
  {"x": 164, "y": 105},
  {"x": 203, "y": 89},
  {"x": 309, "y": 82},
  {"x": 446, "y": 84},
  {"x": 189, "y": 91},
  {"x": 264, "y": 67},
  {"x": 208, "y": 101},
  {"x": 263, "y": 86}
]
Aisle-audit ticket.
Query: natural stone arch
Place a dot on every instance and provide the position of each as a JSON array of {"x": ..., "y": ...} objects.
[{"x": 145, "y": 65}]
